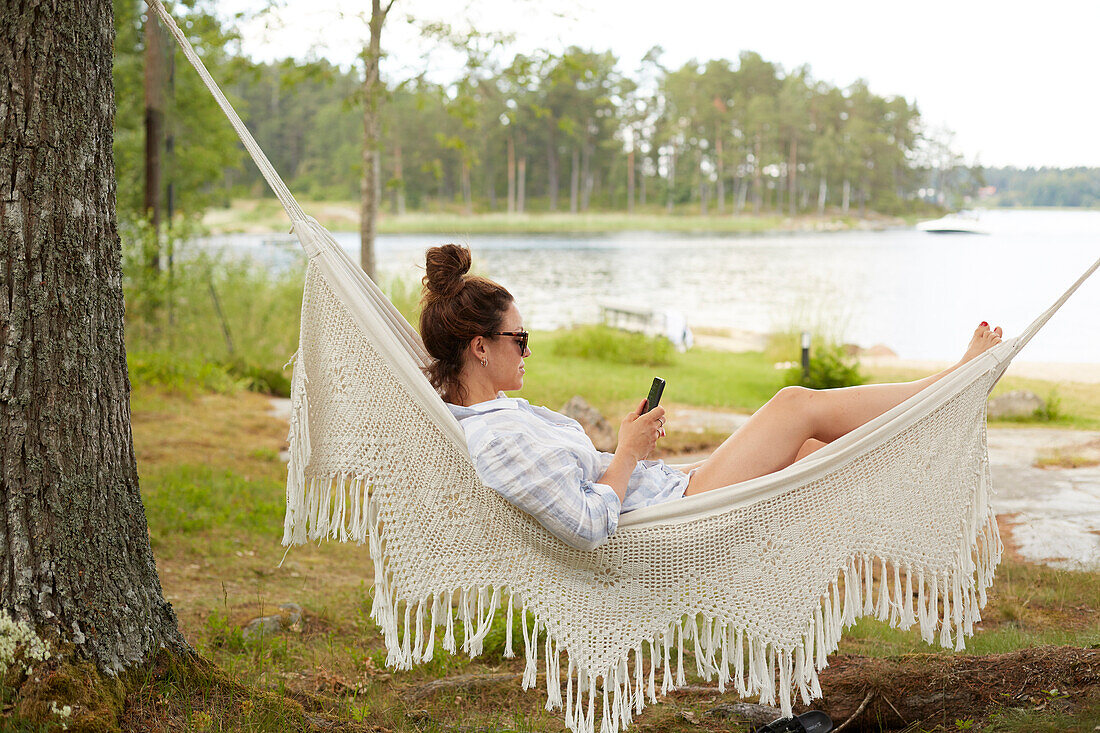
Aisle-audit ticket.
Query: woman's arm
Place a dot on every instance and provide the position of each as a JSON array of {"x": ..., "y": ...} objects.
[
  {"x": 548, "y": 484},
  {"x": 637, "y": 437}
]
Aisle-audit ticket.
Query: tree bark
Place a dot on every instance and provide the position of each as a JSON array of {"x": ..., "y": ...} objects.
[
  {"x": 75, "y": 559},
  {"x": 371, "y": 183},
  {"x": 156, "y": 81}
]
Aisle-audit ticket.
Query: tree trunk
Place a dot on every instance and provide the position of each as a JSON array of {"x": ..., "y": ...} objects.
[
  {"x": 822, "y": 194},
  {"x": 587, "y": 181},
  {"x": 757, "y": 183},
  {"x": 671, "y": 178},
  {"x": 399, "y": 182},
  {"x": 792, "y": 178},
  {"x": 521, "y": 184},
  {"x": 467, "y": 190},
  {"x": 552, "y": 171},
  {"x": 574, "y": 180},
  {"x": 721, "y": 193},
  {"x": 370, "y": 184},
  {"x": 630, "y": 181},
  {"x": 511, "y": 175},
  {"x": 156, "y": 81},
  {"x": 75, "y": 559},
  {"x": 846, "y": 196}
]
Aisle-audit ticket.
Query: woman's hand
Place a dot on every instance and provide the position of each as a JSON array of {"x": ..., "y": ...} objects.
[{"x": 638, "y": 433}]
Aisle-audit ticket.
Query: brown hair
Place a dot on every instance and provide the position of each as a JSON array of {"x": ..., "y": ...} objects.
[{"x": 455, "y": 308}]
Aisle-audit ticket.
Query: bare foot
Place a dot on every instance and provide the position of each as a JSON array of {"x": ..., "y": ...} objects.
[{"x": 984, "y": 339}]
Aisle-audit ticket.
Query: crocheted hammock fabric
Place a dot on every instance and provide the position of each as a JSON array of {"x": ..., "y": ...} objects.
[{"x": 758, "y": 579}]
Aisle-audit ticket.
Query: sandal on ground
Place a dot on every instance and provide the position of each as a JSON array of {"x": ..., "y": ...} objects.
[{"x": 814, "y": 721}]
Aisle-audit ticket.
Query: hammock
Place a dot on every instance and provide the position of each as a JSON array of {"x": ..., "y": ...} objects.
[{"x": 759, "y": 579}]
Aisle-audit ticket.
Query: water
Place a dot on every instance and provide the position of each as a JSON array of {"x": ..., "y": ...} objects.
[{"x": 920, "y": 294}]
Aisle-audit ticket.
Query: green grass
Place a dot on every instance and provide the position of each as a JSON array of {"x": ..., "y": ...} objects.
[
  {"x": 266, "y": 215},
  {"x": 699, "y": 377}
]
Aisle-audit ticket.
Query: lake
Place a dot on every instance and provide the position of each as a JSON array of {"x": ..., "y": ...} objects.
[{"x": 920, "y": 294}]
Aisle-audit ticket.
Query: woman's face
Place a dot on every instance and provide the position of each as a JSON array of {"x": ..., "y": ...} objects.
[{"x": 504, "y": 358}]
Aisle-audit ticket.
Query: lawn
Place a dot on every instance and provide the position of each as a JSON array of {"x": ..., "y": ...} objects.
[{"x": 213, "y": 486}]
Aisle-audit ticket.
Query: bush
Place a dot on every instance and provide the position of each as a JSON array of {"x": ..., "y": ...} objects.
[
  {"x": 602, "y": 343},
  {"x": 1052, "y": 410},
  {"x": 829, "y": 367}
]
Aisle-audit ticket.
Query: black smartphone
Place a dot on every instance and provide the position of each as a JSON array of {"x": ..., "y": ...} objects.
[{"x": 655, "y": 392}]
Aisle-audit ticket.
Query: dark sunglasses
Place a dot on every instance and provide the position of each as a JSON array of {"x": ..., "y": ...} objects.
[{"x": 520, "y": 337}]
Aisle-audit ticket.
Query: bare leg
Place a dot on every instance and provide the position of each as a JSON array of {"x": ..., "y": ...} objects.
[{"x": 798, "y": 421}]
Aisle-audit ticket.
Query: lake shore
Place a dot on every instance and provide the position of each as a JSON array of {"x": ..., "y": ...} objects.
[{"x": 263, "y": 216}]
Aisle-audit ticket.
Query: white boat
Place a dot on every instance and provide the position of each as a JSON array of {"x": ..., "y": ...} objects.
[{"x": 963, "y": 222}]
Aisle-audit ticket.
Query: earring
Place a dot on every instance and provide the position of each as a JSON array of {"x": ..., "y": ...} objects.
[{"x": 484, "y": 363}]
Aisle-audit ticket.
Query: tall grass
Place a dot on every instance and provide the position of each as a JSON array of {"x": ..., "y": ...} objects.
[{"x": 213, "y": 320}]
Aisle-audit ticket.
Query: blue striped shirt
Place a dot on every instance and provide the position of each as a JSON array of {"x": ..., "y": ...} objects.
[{"x": 545, "y": 464}]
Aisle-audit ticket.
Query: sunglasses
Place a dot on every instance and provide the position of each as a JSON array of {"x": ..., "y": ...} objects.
[{"x": 520, "y": 337}]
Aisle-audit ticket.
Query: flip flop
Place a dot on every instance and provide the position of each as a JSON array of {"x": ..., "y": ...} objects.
[{"x": 814, "y": 721}]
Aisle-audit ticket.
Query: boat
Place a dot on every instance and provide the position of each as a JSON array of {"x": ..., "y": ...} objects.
[{"x": 963, "y": 222}]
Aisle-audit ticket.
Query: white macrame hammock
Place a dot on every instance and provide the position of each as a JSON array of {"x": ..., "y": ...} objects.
[{"x": 892, "y": 521}]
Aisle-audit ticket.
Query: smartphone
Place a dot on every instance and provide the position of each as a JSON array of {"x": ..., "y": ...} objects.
[{"x": 655, "y": 392}]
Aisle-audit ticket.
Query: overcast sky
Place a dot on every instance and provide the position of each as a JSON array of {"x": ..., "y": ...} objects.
[{"x": 1017, "y": 82}]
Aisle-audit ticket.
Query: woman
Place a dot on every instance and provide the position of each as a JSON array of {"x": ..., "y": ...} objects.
[{"x": 544, "y": 463}]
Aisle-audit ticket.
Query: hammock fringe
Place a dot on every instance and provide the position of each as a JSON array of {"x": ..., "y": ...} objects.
[{"x": 947, "y": 601}]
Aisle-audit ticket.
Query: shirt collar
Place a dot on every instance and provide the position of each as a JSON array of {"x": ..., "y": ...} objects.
[{"x": 500, "y": 402}]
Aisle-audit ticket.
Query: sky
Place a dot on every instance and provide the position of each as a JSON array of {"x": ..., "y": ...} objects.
[{"x": 1016, "y": 82}]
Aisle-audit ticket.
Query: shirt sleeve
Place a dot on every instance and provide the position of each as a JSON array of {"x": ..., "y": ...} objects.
[{"x": 547, "y": 482}]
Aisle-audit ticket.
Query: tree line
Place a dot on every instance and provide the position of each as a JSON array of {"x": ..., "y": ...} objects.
[
  {"x": 541, "y": 131},
  {"x": 1044, "y": 186}
]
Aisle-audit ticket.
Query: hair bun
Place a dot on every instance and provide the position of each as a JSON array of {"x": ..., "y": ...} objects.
[{"x": 445, "y": 266}]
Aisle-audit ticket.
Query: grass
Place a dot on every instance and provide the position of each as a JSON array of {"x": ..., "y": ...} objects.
[
  {"x": 213, "y": 489},
  {"x": 266, "y": 215},
  {"x": 737, "y": 381}
]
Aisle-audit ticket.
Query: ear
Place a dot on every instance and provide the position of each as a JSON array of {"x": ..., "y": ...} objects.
[{"x": 479, "y": 348}]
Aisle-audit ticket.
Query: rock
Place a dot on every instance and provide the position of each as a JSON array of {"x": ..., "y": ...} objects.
[
  {"x": 290, "y": 619},
  {"x": 595, "y": 425},
  {"x": 880, "y": 350},
  {"x": 1020, "y": 403},
  {"x": 263, "y": 626},
  {"x": 292, "y": 614}
]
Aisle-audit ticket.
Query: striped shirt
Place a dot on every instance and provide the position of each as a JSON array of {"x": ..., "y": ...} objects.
[{"x": 545, "y": 464}]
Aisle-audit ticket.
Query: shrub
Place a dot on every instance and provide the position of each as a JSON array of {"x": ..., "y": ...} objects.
[
  {"x": 1052, "y": 410},
  {"x": 829, "y": 367},
  {"x": 602, "y": 343}
]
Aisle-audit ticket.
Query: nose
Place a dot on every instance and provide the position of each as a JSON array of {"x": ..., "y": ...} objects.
[{"x": 526, "y": 352}]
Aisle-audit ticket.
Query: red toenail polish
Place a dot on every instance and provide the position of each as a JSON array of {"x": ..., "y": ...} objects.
[{"x": 984, "y": 324}]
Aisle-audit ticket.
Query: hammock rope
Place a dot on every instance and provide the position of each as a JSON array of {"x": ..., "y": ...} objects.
[{"x": 893, "y": 521}]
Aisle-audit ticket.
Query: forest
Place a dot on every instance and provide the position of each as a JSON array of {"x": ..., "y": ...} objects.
[{"x": 539, "y": 131}]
